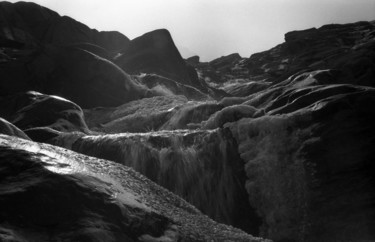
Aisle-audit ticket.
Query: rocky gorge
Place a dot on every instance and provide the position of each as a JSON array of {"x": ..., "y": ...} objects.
[{"x": 104, "y": 138}]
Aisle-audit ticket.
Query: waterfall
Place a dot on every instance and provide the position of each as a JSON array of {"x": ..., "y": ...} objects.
[{"x": 203, "y": 167}]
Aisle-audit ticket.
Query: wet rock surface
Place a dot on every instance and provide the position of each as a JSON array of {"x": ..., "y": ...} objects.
[
  {"x": 279, "y": 144},
  {"x": 41, "y": 184},
  {"x": 202, "y": 167},
  {"x": 310, "y": 171}
]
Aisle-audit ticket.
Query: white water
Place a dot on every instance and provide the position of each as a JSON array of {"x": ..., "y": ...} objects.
[{"x": 201, "y": 166}]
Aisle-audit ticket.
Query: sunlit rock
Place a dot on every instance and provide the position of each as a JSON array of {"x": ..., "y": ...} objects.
[
  {"x": 9, "y": 129},
  {"x": 160, "y": 85},
  {"x": 191, "y": 115},
  {"x": 142, "y": 115},
  {"x": 229, "y": 114}
]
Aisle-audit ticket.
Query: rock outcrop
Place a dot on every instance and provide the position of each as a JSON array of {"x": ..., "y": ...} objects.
[
  {"x": 33, "y": 109},
  {"x": 11, "y": 130},
  {"x": 70, "y": 72},
  {"x": 310, "y": 169},
  {"x": 346, "y": 48},
  {"x": 155, "y": 52}
]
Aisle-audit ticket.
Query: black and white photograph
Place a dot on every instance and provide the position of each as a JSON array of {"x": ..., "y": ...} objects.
[{"x": 187, "y": 121}]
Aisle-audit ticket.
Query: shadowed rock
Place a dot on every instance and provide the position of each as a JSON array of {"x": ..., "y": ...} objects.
[
  {"x": 194, "y": 60},
  {"x": 155, "y": 52},
  {"x": 72, "y": 73},
  {"x": 33, "y": 109},
  {"x": 311, "y": 171},
  {"x": 32, "y": 25}
]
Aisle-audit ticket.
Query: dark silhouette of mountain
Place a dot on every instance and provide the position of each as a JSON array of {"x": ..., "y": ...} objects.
[
  {"x": 155, "y": 52},
  {"x": 32, "y": 24}
]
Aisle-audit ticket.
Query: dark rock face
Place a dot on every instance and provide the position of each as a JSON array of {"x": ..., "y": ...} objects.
[
  {"x": 310, "y": 171},
  {"x": 155, "y": 52},
  {"x": 194, "y": 60},
  {"x": 43, "y": 51},
  {"x": 72, "y": 73},
  {"x": 60, "y": 56},
  {"x": 348, "y": 48},
  {"x": 32, "y": 24},
  {"x": 33, "y": 109},
  {"x": 41, "y": 185},
  {"x": 225, "y": 62}
]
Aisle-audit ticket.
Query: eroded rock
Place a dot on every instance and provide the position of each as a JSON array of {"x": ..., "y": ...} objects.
[{"x": 310, "y": 171}]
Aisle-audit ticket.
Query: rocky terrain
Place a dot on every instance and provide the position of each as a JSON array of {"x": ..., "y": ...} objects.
[{"x": 103, "y": 138}]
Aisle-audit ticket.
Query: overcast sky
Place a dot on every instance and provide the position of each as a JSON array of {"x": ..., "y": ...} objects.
[{"x": 213, "y": 28}]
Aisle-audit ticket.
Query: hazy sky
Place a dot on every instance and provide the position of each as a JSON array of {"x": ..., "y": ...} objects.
[{"x": 212, "y": 28}]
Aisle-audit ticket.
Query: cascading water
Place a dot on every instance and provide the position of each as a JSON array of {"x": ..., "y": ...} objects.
[{"x": 203, "y": 167}]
